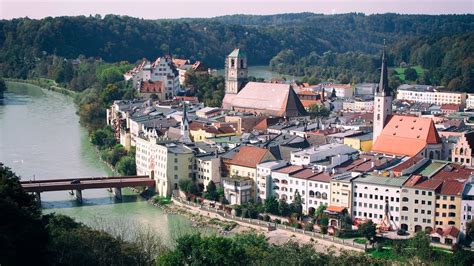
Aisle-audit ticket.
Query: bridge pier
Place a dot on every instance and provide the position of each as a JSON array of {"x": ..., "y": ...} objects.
[
  {"x": 118, "y": 193},
  {"x": 78, "y": 194},
  {"x": 38, "y": 197}
]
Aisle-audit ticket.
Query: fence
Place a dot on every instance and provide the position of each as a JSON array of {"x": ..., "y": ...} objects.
[{"x": 341, "y": 241}]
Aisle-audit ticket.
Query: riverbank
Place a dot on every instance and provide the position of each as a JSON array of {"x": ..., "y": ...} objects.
[
  {"x": 211, "y": 218},
  {"x": 47, "y": 84}
]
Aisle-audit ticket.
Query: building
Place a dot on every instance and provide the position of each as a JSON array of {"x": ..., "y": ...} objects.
[
  {"x": 166, "y": 162},
  {"x": 320, "y": 153},
  {"x": 378, "y": 198},
  {"x": 382, "y": 101},
  {"x": 201, "y": 131},
  {"x": 418, "y": 204},
  {"x": 207, "y": 168},
  {"x": 264, "y": 178},
  {"x": 341, "y": 191},
  {"x": 312, "y": 185},
  {"x": 235, "y": 71},
  {"x": 365, "y": 89},
  {"x": 244, "y": 163},
  {"x": 340, "y": 90},
  {"x": 449, "y": 235},
  {"x": 360, "y": 142},
  {"x": 149, "y": 88},
  {"x": 448, "y": 203},
  {"x": 358, "y": 105},
  {"x": 254, "y": 98},
  {"x": 462, "y": 150},
  {"x": 409, "y": 136},
  {"x": 238, "y": 189},
  {"x": 470, "y": 102},
  {"x": 429, "y": 94},
  {"x": 208, "y": 112},
  {"x": 450, "y": 108},
  {"x": 467, "y": 204}
]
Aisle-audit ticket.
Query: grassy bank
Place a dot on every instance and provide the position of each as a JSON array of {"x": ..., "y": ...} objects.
[{"x": 47, "y": 84}]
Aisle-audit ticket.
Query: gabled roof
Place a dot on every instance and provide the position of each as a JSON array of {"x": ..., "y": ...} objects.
[
  {"x": 411, "y": 134},
  {"x": 249, "y": 156},
  {"x": 151, "y": 86},
  {"x": 452, "y": 188}
]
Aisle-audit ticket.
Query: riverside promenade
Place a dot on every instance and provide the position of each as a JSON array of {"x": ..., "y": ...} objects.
[{"x": 282, "y": 233}]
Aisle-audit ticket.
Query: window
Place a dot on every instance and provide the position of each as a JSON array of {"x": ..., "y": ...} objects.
[
  {"x": 405, "y": 199},
  {"x": 417, "y": 192},
  {"x": 423, "y": 193},
  {"x": 429, "y": 193},
  {"x": 416, "y": 210}
]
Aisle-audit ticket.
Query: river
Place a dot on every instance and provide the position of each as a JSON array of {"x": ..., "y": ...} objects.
[{"x": 41, "y": 138}]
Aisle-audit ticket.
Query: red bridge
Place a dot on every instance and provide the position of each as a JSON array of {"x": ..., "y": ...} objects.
[{"x": 79, "y": 184}]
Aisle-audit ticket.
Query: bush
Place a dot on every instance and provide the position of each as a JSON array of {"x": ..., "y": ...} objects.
[
  {"x": 277, "y": 221},
  {"x": 296, "y": 225},
  {"x": 246, "y": 214},
  {"x": 324, "y": 221},
  {"x": 348, "y": 233},
  {"x": 161, "y": 200},
  {"x": 238, "y": 210},
  {"x": 324, "y": 230},
  {"x": 309, "y": 227},
  {"x": 266, "y": 218}
]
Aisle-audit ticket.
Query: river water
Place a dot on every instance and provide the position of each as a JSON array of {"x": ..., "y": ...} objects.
[{"x": 40, "y": 138}]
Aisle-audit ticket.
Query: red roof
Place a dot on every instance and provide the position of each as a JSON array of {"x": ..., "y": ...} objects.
[
  {"x": 266, "y": 122},
  {"x": 151, "y": 86},
  {"x": 452, "y": 188},
  {"x": 289, "y": 169},
  {"x": 249, "y": 156},
  {"x": 308, "y": 103},
  {"x": 453, "y": 171},
  {"x": 407, "y": 164},
  {"x": 411, "y": 134},
  {"x": 451, "y": 107},
  {"x": 312, "y": 175},
  {"x": 332, "y": 208}
]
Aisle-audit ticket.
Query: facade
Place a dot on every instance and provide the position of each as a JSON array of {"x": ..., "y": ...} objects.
[
  {"x": 341, "y": 191},
  {"x": 341, "y": 90},
  {"x": 264, "y": 178},
  {"x": 358, "y": 105},
  {"x": 166, "y": 162},
  {"x": 470, "y": 101},
  {"x": 236, "y": 71},
  {"x": 418, "y": 204},
  {"x": 462, "y": 150},
  {"x": 382, "y": 101},
  {"x": 431, "y": 95},
  {"x": 313, "y": 187},
  {"x": 238, "y": 190},
  {"x": 467, "y": 205},
  {"x": 378, "y": 198},
  {"x": 361, "y": 142},
  {"x": 448, "y": 204},
  {"x": 208, "y": 168}
]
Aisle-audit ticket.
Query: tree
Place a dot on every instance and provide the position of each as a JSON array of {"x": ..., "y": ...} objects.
[
  {"x": 271, "y": 205},
  {"x": 184, "y": 185},
  {"x": 126, "y": 166},
  {"x": 454, "y": 84},
  {"x": 323, "y": 224},
  {"x": 109, "y": 94},
  {"x": 103, "y": 137},
  {"x": 284, "y": 208},
  {"x": 3, "y": 87},
  {"x": 211, "y": 191},
  {"x": 410, "y": 74},
  {"x": 367, "y": 229},
  {"x": 346, "y": 222},
  {"x": 470, "y": 230},
  {"x": 420, "y": 245},
  {"x": 297, "y": 205},
  {"x": 318, "y": 111},
  {"x": 320, "y": 210},
  {"x": 333, "y": 93}
]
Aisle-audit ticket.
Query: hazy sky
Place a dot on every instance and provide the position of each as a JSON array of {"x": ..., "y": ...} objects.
[{"x": 153, "y": 9}]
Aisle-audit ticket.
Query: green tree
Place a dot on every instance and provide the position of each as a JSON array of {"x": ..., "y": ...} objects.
[
  {"x": 126, "y": 166},
  {"x": 3, "y": 87},
  {"x": 283, "y": 208},
  {"x": 211, "y": 191},
  {"x": 271, "y": 205},
  {"x": 184, "y": 185},
  {"x": 420, "y": 246},
  {"x": 320, "y": 210},
  {"x": 103, "y": 137},
  {"x": 470, "y": 230},
  {"x": 410, "y": 74},
  {"x": 367, "y": 229},
  {"x": 109, "y": 94},
  {"x": 297, "y": 205},
  {"x": 318, "y": 111}
]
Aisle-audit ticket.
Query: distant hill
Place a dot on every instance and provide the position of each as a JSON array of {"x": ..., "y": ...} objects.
[{"x": 116, "y": 38}]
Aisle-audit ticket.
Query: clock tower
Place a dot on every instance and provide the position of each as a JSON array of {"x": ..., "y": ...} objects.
[{"x": 235, "y": 71}]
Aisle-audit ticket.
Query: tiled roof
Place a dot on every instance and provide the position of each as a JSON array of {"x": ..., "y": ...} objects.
[
  {"x": 312, "y": 175},
  {"x": 308, "y": 103},
  {"x": 421, "y": 182},
  {"x": 411, "y": 134},
  {"x": 332, "y": 208},
  {"x": 382, "y": 180},
  {"x": 266, "y": 98},
  {"x": 453, "y": 171},
  {"x": 451, "y": 107},
  {"x": 408, "y": 163},
  {"x": 266, "y": 122},
  {"x": 452, "y": 187},
  {"x": 179, "y": 62},
  {"x": 249, "y": 156},
  {"x": 290, "y": 169}
]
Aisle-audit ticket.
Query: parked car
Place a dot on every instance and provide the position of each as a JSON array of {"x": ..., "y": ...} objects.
[{"x": 401, "y": 232}]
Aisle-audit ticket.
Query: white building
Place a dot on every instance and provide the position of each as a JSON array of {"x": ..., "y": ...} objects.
[
  {"x": 264, "y": 178},
  {"x": 429, "y": 94},
  {"x": 470, "y": 101},
  {"x": 208, "y": 168},
  {"x": 166, "y": 162},
  {"x": 358, "y": 105},
  {"x": 313, "y": 186},
  {"x": 341, "y": 90},
  {"x": 320, "y": 153},
  {"x": 378, "y": 198},
  {"x": 467, "y": 204}
]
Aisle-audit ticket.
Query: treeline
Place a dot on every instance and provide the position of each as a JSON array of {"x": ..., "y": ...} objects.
[
  {"x": 117, "y": 38},
  {"x": 447, "y": 61}
]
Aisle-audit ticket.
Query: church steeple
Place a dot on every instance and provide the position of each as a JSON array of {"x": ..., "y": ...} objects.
[
  {"x": 185, "y": 126},
  {"x": 382, "y": 88},
  {"x": 382, "y": 100}
]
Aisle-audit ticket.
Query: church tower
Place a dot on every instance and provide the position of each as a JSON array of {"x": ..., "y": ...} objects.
[
  {"x": 235, "y": 71},
  {"x": 185, "y": 127},
  {"x": 382, "y": 100}
]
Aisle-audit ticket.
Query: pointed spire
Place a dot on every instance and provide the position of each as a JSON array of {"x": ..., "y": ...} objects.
[{"x": 383, "y": 88}]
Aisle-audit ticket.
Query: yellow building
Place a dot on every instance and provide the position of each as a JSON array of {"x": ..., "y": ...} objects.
[
  {"x": 201, "y": 132},
  {"x": 362, "y": 142},
  {"x": 341, "y": 191},
  {"x": 448, "y": 204},
  {"x": 244, "y": 163}
]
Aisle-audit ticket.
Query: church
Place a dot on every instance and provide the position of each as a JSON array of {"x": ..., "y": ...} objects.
[
  {"x": 401, "y": 135},
  {"x": 271, "y": 99}
]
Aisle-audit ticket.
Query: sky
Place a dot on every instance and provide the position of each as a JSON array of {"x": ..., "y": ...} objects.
[{"x": 156, "y": 9}]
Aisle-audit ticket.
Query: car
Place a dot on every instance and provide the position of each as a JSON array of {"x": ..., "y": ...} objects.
[
  {"x": 76, "y": 181},
  {"x": 401, "y": 232}
]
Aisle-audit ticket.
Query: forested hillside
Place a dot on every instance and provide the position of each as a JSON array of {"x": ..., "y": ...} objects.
[{"x": 305, "y": 36}]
